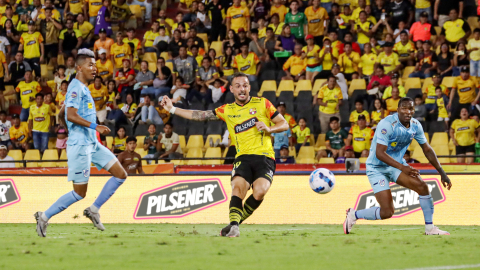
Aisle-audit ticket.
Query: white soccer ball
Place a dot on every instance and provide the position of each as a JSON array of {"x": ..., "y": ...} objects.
[{"x": 322, "y": 181}]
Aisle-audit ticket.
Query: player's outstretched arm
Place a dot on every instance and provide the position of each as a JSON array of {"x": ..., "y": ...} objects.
[
  {"x": 188, "y": 114},
  {"x": 432, "y": 158},
  {"x": 280, "y": 125},
  {"x": 72, "y": 116}
]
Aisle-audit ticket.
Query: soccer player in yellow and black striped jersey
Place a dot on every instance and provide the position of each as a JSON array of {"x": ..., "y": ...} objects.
[{"x": 248, "y": 121}]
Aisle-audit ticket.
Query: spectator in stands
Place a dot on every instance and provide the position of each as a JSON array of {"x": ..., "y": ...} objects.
[
  {"x": 162, "y": 81},
  {"x": 327, "y": 56},
  {"x": 360, "y": 137},
  {"x": 218, "y": 87},
  {"x": 185, "y": 66},
  {"x": 149, "y": 38},
  {"x": 154, "y": 113},
  {"x": 348, "y": 38},
  {"x": 443, "y": 8},
  {"x": 392, "y": 102},
  {"x": 388, "y": 59},
  {"x": 125, "y": 86},
  {"x": 217, "y": 13},
  {"x": 119, "y": 51},
  {"x": 284, "y": 156},
  {"x": 420, "y": 109},
  {"x": 296, "y": 20},
  {"x": 31, "y": 43},
  {"x": 349, "y": 153},
  {"x": 12, "y": 35},
  {"x": 357, "y": 112},
  {"x": 100, "y": 95},
  {"x": 282, "y": 109},
  {"x": 148, "y": 8},
  {"x": 206, "y": 72},
  {"x": 405, "y": 49},
  {"x": 378, "y": 113},
  {"x": 150, "y": 142},
  {"x": 285, "y": 41},
  {"x": 276, "y": 25},
  {"x": 317, "y": 18},
  {"x": 460, "y": 58},
  {"x": 5, "y": 126},
  {"x": 50, "y": 29},
  {"x": 103, "y": 41},
  {"x": 248, "y": 63},
  {"x": 439, "y": 107},
  {"x": 363, "y": 29},
  {"x": 367, "y": 62},
  {"x": 445, "y": 61},
  {"x": 429, "y": 93},
  {"x": 334, "y": 141},
  {"x": 401, "y": 11},
  {"x": 17, "y": 70},
  {"x": 454, "y": 29},
  {"x": 39, "y": 122},
  {"x": 70, "y": 67},
  {"x": 124, "y": 113},
  {"x": 227, "y": 63},
  {"x": 27, "y": 89},
  {"x": 238, "y": 17},
  {"x": 341, "y": 81},
  {"x": 119, "y": 141},
  {"x": 168, "y": 144},
  {"x": 310, "y": 52},
  {"x": 144, "y": 78},
  {"x": 427, "y": 66},
  {"x": 131, "y": 161},
  {"x": 269, "y": 42},
  {"x": 87, "y": 31},
  {"x": 70, "y": 40},
  {"x": 466, "y": 85},
  {"x": 465, "y": 133},
  {"x": 474, "y": 48},
  {"x": 295, "y": 66},
  {"x": 408, "y": 158},
  {"x": 302, "y": 134},
  {"x": 231, "y": 41},
  {"x": 161, "y": 41},
  {"x": 24, "y": 7},
  {"x": 422, "y": 30},
  {"x": 280, "y": 139},
  {"x": 104, "y": 65},
  {"x": 330, "y": 99},
  {"x": 61, "y": 95},
  {"x": 62, "y": 137},
  {"x": 4, "y": 157},
  {"x": 401, "y": 28},
  {"x": 394, "y": 81},
  {"x": 19, "y": 134},
  {"x": 135, "y": 44},
  {"x": 349, "y": 61}
]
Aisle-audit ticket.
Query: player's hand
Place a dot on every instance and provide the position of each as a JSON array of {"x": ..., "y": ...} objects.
[
  {"x": 166, "y": 103},
  {"x": 261, "y": 127},
  {"x": 446, "y": 182},
  {"x": 409, "y": 170},
  {"x": 104, "y": 130}
]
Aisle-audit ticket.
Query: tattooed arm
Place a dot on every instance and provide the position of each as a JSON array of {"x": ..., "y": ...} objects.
[{"x": 189, "y": 114}]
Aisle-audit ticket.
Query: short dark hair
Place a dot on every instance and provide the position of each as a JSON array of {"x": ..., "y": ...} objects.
[
  {"x": 270, "y": 28},
  {"x": 238, "y": 75},
  {"x": 168, "y": 124},
  {"x": 131, "y": 139},
  {"x": 39, "y": 95},
  {"x": 64, "y": 81},
  {"x": 98, "y": 77},
  {"x": 334, "y": 118},
  {"x": 407, "y": 152},
  {"x": 419, "y": 96},
  {"x": 180, "y": 78},
  {"x": 152, "y": 125},
  {"x": 61, "y": 66},
  {"x": 359, "y": 100},
  {"x": 477, "y": 30},
  {"x": 3, "y": 112},
  {"x": 331, "y": 76},
  {"x": 405, "y": 99}
]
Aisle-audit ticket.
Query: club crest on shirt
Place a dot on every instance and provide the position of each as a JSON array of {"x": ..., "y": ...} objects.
[
  {"x": 384, "y": 131},
  {"x": 253, "y": 111},
  {"x": 74, "y": 94}
]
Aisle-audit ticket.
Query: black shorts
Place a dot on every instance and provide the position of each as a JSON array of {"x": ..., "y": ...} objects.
[
  {"x": 358, "y": 154},
  {"x": 2, "y": 84},
  {"x": 462, "y": 150},
  {"x": 51, "y": 50},
  {"x": 252, "y": 167}
]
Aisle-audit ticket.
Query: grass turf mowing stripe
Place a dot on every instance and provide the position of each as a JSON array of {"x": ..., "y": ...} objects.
[{"x": 446, "y": 267}]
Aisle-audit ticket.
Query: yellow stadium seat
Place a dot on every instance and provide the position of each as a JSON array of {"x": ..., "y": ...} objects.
[
  {"x": 213, "y": 152},
  {"x": 136, "y": 10},
  {"x": 60, "y": 59},
  {"x": 418, "y": 155},
  {"x": 44, "y": 70},
  {"x": 152, "y": 67},
  {"x": 448, "y": 81},
  {"x": 285, "y": 85},
  {"x": 327, "y": 160},
  {"x": 194, "y": 141},
  {"x": 150, "y": 57},
  {"x": 142, "y": 152},
  {"x": 63, "y": 156},
  {"x": 140, "y": 140},
  {"x": 165, "y": 56},
  {"x": 218, "y": 47},
  {"x": 169, "y": 65},
  {"x": 49, "y": 154},
  {"x": 318, "y": 84},
  {"x": 109, "y": 141},
  {"x": 320, "y": 142},
  {"x": 407, "y": 71},
  {"x": 268, "y": 86},
  {"x": 204, "y": 37},
  {"x": 306, "y": 155},
  {"x": 412, "y": 83},
  {"x": 16, "y": 155},
  {"x": 52, "y": 143},
  {"x": 428, "y": 81},
  {"x": 302, "y": 85},
  {"x": 357, "y": 84},
  {"x": 473, "y": 22},
  {"x": 32, "y": 154},
  {"x": 442, "y": 150},
  {"x": 292, "y": 151},
  {"x": 363, "y": 160},
  {"x": 182, "y": 141},
  {"x": 439, "y": 138},
  {"x": 214, "y": 138},
  {"x": 438, "y": 30},
  {"x": 414, "y": 145},
  {"x": 194, "y": 153}
]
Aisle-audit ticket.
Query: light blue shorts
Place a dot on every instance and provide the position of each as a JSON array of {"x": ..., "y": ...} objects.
[
  {"x": 315, "y": 69},
  {"x": 80, "y": 158},
  {"x": 381, "y": 176}
]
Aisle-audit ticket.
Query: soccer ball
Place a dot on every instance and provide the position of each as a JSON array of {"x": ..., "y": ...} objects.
[{"x": 322, "y": 181}]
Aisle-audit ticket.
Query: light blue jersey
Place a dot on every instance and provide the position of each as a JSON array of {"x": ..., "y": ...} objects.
[
  {"x": 397, "y": 137},
  {"x": 79, "y": 97}
]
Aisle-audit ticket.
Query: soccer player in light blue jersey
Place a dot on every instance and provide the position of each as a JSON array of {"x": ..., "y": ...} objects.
[
  {"x": 385, "y": 164},
  {"x": 83, "y": 147}
]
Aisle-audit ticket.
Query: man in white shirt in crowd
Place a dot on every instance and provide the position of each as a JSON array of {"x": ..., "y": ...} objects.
[
  {"x": 5, "y": 126},
  {"x": 4, "y": 157}
]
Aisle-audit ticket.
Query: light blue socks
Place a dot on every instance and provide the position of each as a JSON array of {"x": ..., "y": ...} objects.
[
  {"x": 426, "y": 202},
  {"x": 61, "y": 204},
  {"x": 108, "y": 190},
  {"x": 369, "y": 214}
]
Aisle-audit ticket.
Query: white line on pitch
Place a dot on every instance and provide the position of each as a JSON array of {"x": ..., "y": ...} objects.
[
  {"x": 446, "y": 267},
  {"x": 405, "y": 229}
]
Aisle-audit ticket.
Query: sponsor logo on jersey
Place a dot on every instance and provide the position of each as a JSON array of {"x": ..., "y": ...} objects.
[
  {"x": 103, "y": 73},
  {"x": 462, "y": 128},
  {"x": 74, "y": 94},
  {"x": 180, "y": 199},
  {"x": 8, "y": 193},
  {"x": 314, "y": 21},
  {"x": 120, "y": 55},
  {"x": 405, "y": 201},
  {"x": 27, "y": 92},
  {"x": 132, "y": 166},
  {"x": 384, "y": 131},
  {"x": 237, "y": 16},
  {"x": 98, "y": 98},
  {"x": 31, "y": 42},
  {"x": 234, "y": 116},
  {"x": 21, "y": 138},
  {"x": 96, "y": 4},
  {"x": 393, "y": 144},
  {"x": 359, "y": 139},
  {"x": 248, "y": 124},
  {"x": 90, "y": 105},
  {"x": 39, "y": 119},
  {"x": 245, "y": 67},
  {"x": 466, "y": 89}
]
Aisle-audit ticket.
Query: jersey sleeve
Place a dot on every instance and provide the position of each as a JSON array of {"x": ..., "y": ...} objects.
[
  {"x": 271, "y": 111},
  {"x": 74, "y": 96},
  {"x": 62, "y": 34},
  {"x": 420, "y": 135},
  {"x": 384, "y": 131},
  {"x": 220, "y": 112}
]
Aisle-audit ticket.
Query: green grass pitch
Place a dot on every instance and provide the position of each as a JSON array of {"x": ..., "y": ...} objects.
[{"x": 172, "y": 246}]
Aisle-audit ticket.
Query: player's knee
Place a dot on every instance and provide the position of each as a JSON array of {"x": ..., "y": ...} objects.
[
  {"x": 386, "y": 212},
  {"x": 422, "y": 188}
]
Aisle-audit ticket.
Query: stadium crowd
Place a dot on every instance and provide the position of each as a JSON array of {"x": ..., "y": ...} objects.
[{"x": 333, "y": 69}]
